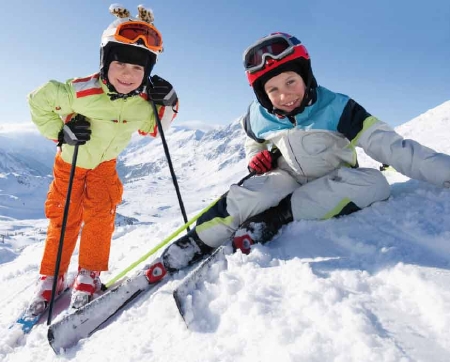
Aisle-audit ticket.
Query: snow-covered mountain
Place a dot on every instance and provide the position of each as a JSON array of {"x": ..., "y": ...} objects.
[
  {"x": 24, "y": 151},
  {"x": 202, "y": 161},
  {"x": 25, "y": 171},
  {"x": 372, "y": 286}
]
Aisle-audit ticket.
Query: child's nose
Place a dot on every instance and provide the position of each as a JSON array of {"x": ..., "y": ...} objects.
[{"x": 283, "y": 96}]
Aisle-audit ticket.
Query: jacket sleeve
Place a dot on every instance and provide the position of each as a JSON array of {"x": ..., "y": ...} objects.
[
  {"x": 48, "y": 104},
  {"x": 252, "y": 148},
  {"x": 166, "y": 115},
  {"x": 252, "y": 145},
  {"x": 407, "y": 156}
]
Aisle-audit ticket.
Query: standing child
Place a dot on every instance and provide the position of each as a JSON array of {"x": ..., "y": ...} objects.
[
  {"x": 317, "y": 176},
  {"x": 98, "y": 113}
]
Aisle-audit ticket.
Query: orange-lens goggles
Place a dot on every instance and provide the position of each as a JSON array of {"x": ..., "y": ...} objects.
[{"x": 132, "y": 32}]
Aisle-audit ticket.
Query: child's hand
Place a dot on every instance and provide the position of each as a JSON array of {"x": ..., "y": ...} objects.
[
  {"x": 75, "y": 132},
  {"x": 162, "y": 92},
  {"x": 261, "y": 162},
  {"x": 264, "y": 161}
]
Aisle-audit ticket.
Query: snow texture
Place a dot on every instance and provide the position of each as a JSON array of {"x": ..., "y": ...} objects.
[{"x": 371, "y": 286}]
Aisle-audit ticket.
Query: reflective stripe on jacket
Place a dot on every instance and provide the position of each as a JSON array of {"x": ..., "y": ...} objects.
[{"x": 112, "y": 122}]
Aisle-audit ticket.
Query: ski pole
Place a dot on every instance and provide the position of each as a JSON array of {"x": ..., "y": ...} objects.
[
  {"x": 169, "y": 160},
  {"x": 275, "y": 156},
  {"x": 171, "y": 236},
  {"x": 63, "y": 231}
]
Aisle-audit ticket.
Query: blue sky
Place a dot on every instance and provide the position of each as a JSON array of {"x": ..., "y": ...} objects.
[{"x": 391, "y": 56}]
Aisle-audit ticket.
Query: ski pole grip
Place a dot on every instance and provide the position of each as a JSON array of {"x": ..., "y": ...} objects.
[{"x": 276, "y": 154}]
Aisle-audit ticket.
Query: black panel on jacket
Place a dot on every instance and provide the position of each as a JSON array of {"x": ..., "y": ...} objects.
[
  {"x": 352, "y": 119},
  {"x": 248, "y": 127}
]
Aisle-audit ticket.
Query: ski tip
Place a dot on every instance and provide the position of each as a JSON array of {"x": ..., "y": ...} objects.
[
  {"x": 51, "y": 340},
  {"x": 195, "y": 276},
  {"x": 50, "y": 335},
  {"x": 178, "y": 302}
]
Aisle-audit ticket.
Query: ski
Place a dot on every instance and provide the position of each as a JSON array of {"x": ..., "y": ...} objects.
[
  {"x": 26, "y": 322},
  {"x": 68, "y": 330},
  {"x": 198, "y": 275}
]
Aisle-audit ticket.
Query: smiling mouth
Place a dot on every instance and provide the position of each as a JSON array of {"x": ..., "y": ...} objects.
[
  {"x": 124, "y": 83},
  {"x": 290, "y": 104}
]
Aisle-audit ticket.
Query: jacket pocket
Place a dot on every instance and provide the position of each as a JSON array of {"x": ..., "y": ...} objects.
[{"x": 54, "y": 205}]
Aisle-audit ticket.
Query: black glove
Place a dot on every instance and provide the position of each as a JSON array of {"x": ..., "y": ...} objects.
[
  {"x": 75, "y": 132},
  {"x": 162, "y": 92}
]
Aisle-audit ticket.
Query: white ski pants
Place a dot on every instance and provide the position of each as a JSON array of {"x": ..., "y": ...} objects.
[{"x": 322, "y": 198}]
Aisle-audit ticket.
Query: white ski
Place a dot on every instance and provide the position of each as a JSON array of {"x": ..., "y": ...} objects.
[
  {"x": 198, "y": 275},
  {"x": 66, "y": 332}
]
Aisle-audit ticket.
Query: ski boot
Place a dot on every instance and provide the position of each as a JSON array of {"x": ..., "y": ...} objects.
[
  {"x": 43, "y": 294},
  {"x": 87, "y": 283},
  {"x": 262, "y": 227},
  {"x": 178, "y": 255}
]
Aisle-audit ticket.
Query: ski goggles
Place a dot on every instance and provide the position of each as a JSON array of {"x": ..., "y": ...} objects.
[
  {"x": 132, "y": 32},
  {"x": 275, "y": 46}
]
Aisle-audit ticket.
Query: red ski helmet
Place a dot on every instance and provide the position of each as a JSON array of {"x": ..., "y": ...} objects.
[{"x": 272, "y": 55}]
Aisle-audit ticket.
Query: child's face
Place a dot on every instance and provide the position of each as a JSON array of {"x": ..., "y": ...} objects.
[
  {"x": 285, "y": 91},
  {"x": 125, "y": 77}
]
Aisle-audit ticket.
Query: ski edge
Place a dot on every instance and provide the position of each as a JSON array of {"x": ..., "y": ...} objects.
[{"x": 195, "y": 276}]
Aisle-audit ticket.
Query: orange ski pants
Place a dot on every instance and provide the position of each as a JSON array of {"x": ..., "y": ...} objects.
[{"x": 94, "y": 198}]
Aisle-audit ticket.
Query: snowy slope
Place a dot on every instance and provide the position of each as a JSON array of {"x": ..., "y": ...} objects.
[
  {"x": 372, "y": 286},
  {"x": 25, "y": 171}
]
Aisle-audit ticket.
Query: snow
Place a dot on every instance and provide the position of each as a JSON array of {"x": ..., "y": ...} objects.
[{"x": 371, "y": 286}]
